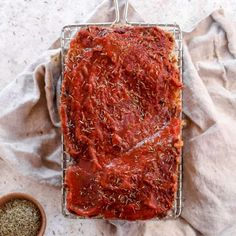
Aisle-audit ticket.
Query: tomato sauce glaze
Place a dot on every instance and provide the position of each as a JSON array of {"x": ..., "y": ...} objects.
[{"x": 120, "y": 114}]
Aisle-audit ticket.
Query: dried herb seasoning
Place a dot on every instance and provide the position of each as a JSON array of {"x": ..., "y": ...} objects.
[
  {"x": 19, "y": 217},
  {"x": 120, "y": 114}
]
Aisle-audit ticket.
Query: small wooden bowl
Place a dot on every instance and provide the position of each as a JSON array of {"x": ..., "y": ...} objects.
[{"x": 11, "y": 196}]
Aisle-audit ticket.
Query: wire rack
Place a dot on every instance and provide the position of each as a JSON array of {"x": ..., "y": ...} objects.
[{"x": 68, "y": 32}]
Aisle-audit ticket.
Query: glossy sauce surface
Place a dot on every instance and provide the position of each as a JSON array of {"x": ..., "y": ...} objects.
[{"x": 120, "y": 113}]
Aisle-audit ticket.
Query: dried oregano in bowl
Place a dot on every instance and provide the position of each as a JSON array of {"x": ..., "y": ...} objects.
[{"x": 19, "y": 217}]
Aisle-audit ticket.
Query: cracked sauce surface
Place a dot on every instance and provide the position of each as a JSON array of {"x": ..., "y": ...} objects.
[{"x": 120, "y": 113}]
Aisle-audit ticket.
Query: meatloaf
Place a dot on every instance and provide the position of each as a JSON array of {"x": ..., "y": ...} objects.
[{"x": 120, "y": 115}]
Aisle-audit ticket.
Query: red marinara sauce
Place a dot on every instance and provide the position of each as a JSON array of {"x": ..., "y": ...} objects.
[{"x": 120, "y": 114}]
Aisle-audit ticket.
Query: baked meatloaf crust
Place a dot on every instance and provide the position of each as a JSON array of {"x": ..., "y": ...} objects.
[{"x": 120, "y": 114}]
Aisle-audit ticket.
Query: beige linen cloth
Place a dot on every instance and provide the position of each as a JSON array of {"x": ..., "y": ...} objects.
[{"x": 30, "y": 138}]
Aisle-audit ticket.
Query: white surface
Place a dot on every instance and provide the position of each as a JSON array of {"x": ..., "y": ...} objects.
[{"x": 29, "y": 27}]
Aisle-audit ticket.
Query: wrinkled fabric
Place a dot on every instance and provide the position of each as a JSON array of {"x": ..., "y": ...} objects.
[
  {"x": 30, "y": 136},
  {"x": 210, "y": 135}
]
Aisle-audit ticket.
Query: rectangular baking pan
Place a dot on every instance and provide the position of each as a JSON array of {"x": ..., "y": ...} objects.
[{"x": 68, "y": 32}]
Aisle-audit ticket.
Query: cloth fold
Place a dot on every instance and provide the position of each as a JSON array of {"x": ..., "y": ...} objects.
[
  {"x": 210, "y": 144},
  {"x": 30, "y": 137}
]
